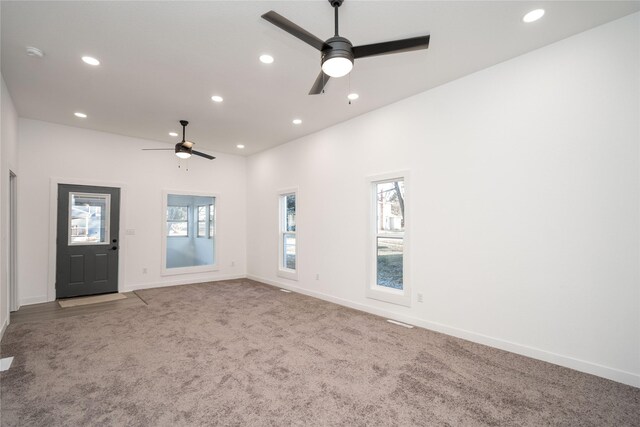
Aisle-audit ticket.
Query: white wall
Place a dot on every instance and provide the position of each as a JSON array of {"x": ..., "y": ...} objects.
[
  {"x": 524, "y": 204},
  {"x": 54, "y": 152},
  {"x": 8, "y": 161}
]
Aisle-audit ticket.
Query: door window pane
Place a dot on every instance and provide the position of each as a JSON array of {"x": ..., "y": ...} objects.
[
  {"x": 89, "y": 218},
  {"x": 389, "y": 262}
]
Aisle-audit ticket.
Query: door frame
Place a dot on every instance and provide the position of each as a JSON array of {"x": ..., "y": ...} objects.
[
  {"x": 53, "y": 221},
  {"x": 14, "y": 303}
]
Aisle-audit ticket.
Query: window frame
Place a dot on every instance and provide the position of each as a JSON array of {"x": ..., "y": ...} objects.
[
  {"x": 373, "y": 290},
  {"x": 164, "y": 271},
  {"x": 282, "y": 271}
]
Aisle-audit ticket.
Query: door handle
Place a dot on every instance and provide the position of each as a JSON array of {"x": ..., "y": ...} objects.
[{"x": 113, "y": 248}]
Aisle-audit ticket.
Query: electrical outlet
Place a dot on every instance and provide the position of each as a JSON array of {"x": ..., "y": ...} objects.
[
  {"x": 317, "y": 276},
  {"x": 233, "y": 263},
  {"x": 419, "y": 297},
  {"x": 144, "y": 270}
]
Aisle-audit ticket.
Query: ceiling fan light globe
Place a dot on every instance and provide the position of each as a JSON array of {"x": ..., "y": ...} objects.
[
  {"x": 183, "y": 154},
  {"x": 337, "y": 66}
]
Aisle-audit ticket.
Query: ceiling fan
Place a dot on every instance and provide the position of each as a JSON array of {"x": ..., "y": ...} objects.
[
  {"x": 337, "y": 53},
  {"x": 184, "y": 149}
]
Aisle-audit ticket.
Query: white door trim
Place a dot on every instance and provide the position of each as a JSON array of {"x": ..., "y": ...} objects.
[
  {"x": 13, "y": 242},
  {"x": 53, "y": 221}
]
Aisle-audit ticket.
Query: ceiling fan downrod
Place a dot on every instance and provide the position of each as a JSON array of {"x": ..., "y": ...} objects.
[
  {"x": 184, "y": 124},
  {"x": 336, "y": 4}
]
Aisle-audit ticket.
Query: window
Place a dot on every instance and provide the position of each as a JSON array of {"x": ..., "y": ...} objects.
[
  {"x": 189, "y": 244},
  {"x": 202, "y": 221},
  {"x": 288, "y": 239},
  {"x": 89, "y": 218},
  {"x": 212, "y": 224},
  {"x": 388, "y": 266},
  {"x": 178, "y": 221}
]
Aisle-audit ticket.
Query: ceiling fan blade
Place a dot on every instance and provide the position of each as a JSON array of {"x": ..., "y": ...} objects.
[
  {"x": 319, "y": 84},
  {"x": 154, "y": 149},
  {"x": 187, "y": 144},
  {"x": 198, "y": 153},
  {"x": 293, "y": 29},
  {"x": 395, "y": 46}
]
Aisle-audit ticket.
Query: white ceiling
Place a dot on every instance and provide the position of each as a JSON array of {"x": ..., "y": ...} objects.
[{"x": 162, "y": 61}]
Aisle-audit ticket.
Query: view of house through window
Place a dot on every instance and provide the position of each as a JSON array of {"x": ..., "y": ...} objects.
[
  {"x": 288, "y": 232},
  {"x": 88, "y": 218},
  {"x": 389, "y": 202},
  {"x": 190, "y": 225}
]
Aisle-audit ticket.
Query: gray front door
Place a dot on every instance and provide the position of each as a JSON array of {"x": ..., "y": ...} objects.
[{"x": 87, "y": 240}]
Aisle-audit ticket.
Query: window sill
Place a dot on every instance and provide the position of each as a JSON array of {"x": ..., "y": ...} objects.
[
  {"x": 392, "y": 296},
  {"x": 187, "y": 270},
  {"x": 288, "y": 274}
]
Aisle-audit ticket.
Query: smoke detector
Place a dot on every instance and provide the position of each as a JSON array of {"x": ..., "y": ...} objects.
[{"x": 35, "y": 52}]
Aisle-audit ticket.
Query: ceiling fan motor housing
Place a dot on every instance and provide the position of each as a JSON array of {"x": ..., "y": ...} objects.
[
  {"x": 182, "y": 149},
  {"x": 340, "y": 48}
]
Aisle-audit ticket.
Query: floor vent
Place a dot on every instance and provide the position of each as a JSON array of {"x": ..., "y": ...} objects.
[
  {"x": 285, "y": 290},
  {"x": 395, "y": 322}
]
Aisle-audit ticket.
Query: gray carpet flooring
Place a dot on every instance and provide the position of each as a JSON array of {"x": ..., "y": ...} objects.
[{"x": 240, "y": 353}]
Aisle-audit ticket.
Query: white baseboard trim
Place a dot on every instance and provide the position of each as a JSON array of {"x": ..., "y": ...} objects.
[
  {"x": 33, "y": 300},
  {"x": 613, "y": 374},
  {"x": 175, "y": 282}
]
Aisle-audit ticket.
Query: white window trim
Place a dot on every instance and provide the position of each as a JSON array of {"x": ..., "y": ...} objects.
[
  {"x": 164, "y": 271},
  {"x": 374, "y": 291},
  {"x": 281, "y": 271}
]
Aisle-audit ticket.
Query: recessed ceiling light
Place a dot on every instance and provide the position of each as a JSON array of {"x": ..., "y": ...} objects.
[
  {"x": 353, "y": 96},
  {"x": 297, "y": 121},
  {"x": 266, "y": 59},
  {"x": 534, "y": 15},
  {"x": 240, "y": 146},
  {"x": 173, "y": 134},
  {"x": 216, "y": 98},
  {"x": 90, "y": 60},
  {"x": 35, "y": 52},
  {"x": 81, "y": 115}
]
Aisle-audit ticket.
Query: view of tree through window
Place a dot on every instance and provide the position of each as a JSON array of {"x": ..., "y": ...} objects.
[
  {"x": 390, "y": 233},
  {"x": 177, "y": 221}
]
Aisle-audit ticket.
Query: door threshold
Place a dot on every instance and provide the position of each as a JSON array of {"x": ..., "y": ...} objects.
[{"x": 75, "y": 302}]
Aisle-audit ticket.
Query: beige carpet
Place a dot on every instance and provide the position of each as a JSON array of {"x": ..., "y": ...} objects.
[{"x": 239, "y": 353}]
